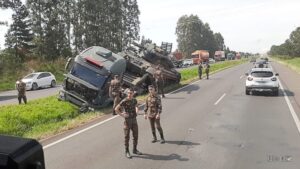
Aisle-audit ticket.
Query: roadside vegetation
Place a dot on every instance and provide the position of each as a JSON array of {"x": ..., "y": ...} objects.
[
  {"x": 291, "y": 62},
  {"x": 46, "y": 117}
]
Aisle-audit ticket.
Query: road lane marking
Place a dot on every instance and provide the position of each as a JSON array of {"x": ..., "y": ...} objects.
[
  {"x": 220, "y": 98},
  {"x": 241, "y": 76},
  {"x": 81, "y": 131},
  {"x": 294, "y": 115}
]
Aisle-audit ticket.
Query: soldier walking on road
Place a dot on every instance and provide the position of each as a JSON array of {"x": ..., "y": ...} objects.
[
  {"x": 153, "y": 110},
  {"x": 128, "y": 109},
  {"x": 207, "y": 70},
  {"x": 115, "y": 92},
  {"x": 200, "y": 67},
  {"x": 21, "y": 88},
  {"x": 159, "y": 81}
]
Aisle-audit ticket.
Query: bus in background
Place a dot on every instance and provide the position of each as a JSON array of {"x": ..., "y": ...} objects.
[{"x": 200, "y": 56}]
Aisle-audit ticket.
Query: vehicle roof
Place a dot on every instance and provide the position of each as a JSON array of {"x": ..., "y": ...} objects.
[{"x": 261, "y": 70}]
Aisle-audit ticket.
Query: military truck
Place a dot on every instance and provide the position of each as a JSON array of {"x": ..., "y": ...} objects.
[{"x": 87, "y": 82}]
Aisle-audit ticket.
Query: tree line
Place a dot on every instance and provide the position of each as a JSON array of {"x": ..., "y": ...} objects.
[
  {"x": 49, "y": 29},
  {"x": 290, "y": 48},
  {"x": 193, "y": 34}
]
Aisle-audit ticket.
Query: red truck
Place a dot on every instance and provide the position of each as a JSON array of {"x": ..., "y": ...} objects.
[{"x": 200, "y": 56}]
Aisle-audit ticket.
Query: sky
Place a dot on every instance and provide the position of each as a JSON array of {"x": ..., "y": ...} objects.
[{"x": 246, "y": 25}]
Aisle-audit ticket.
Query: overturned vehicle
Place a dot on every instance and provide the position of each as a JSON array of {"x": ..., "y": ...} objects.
[{"x": 89, "y": 74}]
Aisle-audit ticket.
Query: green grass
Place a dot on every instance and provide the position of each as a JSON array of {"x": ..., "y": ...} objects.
[
  {"x": 46, "y": 117},
  {"x": 293, "y": 63}
]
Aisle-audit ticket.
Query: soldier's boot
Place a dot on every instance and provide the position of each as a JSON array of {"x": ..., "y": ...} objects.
[
  {"x": 127, "y": 153},
  {"x": 162, "y": 140},
  {"x": 154, "y": 137},
  {"x": 136, "y": 151}
]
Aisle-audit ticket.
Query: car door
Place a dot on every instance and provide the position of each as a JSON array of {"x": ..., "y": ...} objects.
[
  {"x": 43, "y": 80},
  {"x": 48, "y": 79}
]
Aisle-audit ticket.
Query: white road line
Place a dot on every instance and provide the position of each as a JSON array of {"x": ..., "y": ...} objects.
[
  {"x": 81, "y": 131},
  {"x": 241, "y": 76},
  {"x": 102, "y": 122},
  {"x": 295, "y": 117},
  {"x": 220, "y": 98}
]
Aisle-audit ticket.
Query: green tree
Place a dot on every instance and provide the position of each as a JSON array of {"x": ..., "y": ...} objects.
[
  {"x": 19, "y": 35},
  {"x": 294, "y": 42},
  {"x": 220, "y": 41}
]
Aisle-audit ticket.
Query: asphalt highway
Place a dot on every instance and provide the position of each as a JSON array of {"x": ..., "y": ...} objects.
[{"x": 210, "y": 124}]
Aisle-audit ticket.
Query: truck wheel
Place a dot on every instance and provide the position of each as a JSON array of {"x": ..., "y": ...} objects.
[{"x": 53, "y": 83}]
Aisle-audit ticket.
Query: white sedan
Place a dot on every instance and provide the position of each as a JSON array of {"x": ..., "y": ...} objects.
[{"x": 39, "y": 79}]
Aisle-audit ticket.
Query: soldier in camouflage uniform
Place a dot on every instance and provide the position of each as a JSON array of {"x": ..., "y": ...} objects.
[
  {"x": 207, "y": 67},
  {"x": 152, "y": 112},
  {"x": 200, "y": 67},
  {"x": 115, "y": 92},
  {"x": 21, "y": 88},
  {"x": 128, "y": 109},
  {"x": 159, "y": 81}
]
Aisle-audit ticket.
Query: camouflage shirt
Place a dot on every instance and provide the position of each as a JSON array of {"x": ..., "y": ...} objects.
[
  {"x": 153, "y": 104},
  {"x": 129, "y": 106},
  {"x": 21, "y": 87},
  {"x": 115, "y": 86}
]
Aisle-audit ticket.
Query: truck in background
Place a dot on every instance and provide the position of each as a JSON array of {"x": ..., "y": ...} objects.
[
  {"x": 200, "y": 56},
  {"x": 219, "y": 56}
]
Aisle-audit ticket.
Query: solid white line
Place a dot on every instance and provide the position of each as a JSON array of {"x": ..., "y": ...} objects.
[
  {"x": 241, "y": 76},
  {"x": 102, "y": 122},
  {"x": 220, "y": 98},
  {"x": 81, "y": 131},
  {"x": 295, "y": 117}
]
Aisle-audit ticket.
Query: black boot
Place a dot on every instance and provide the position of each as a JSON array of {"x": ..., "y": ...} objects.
[
  {"x": 136, "y": 151},
  {"x": 162, "y": 138},
  {"x": 154, "y": 137},
  {"x": 127, "y": 153}
]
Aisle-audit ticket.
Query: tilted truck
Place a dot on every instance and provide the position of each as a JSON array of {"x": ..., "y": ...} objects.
[
  {"x": 89, "y": 74},
  {"x": 200, "y": 56},
  {"x": 219, "y": 56}
]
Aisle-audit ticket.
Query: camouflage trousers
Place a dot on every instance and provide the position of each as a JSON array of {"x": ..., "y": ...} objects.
[
  {"x": 131, "y": 124},
  {"x": 159, "y": 87},
  {"x": 155, "y": 122},
  {"x": 117, "y": 100},
  {"x": 20, "y": 97},
  {"x": 200, "y": 74}
]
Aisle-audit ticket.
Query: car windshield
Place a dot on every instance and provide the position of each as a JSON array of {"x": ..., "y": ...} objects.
[
  {"x": 262, "y": 74},
  {"x": 88, "y": 75},
  {"x": 30, "y": 76}
]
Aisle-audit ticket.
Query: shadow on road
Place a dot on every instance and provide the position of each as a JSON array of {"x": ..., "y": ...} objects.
[
  {"x": 189, "y": 89},
  {"x": 162, "y": 157},
  {"x": 185, "y": 143},
  {"x": 270, "y": 94},
  {"x": 3, "y": 98}
]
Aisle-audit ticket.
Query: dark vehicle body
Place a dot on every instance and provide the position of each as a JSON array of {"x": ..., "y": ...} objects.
[
  {"x": 89, "y": 74},
  {"x": 87, "y": 81}
]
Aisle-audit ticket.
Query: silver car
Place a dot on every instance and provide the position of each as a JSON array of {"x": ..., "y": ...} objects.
[{"x": 262, "y": 79}]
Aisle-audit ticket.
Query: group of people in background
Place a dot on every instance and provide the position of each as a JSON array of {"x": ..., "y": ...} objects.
[
  {"x": 200, "y": 69},
  {"x": 128, "y": 109}
]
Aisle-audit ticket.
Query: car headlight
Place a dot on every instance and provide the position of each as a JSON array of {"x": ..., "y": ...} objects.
[
  {"x": 250, "y": 78},
  {"x": 274, "y": 79}
]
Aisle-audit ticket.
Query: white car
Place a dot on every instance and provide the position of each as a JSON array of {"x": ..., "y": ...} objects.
[
  {"x": 187, "y": 62},
  {"x": 211, "y": 60},
  {"x": 39, "y": 79},
  {"x": 262, "y": 79}
]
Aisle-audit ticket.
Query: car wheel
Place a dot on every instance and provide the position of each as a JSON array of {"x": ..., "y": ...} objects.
[
  {"x": 275, "y": 92},
  {"x": 247, "y": 92},
  {"x": 53, "y": 83},
  {"x": 34, "y": 86}
]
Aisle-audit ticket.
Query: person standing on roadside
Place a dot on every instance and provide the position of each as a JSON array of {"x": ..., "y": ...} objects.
[
  {"x": 153, "y": 109},
  {"x": 159, "y": 81},
  {"x": 115, "y": 91},
  {"x": 207, "y": 67},
  {"x": 21, "y": 88},
  {"x": 128, "y": 109},
  {"x": 200, "y": 68}
]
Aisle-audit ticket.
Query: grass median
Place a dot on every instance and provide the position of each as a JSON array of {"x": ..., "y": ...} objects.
[{"x": 46, "y": 117}]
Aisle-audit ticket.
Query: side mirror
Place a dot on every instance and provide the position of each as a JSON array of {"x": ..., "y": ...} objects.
[
  {"x": 276, "y": 74},
  {"x": 247, "y": 74}
]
